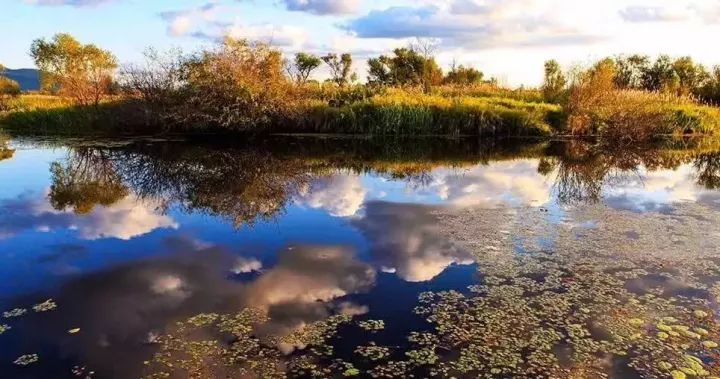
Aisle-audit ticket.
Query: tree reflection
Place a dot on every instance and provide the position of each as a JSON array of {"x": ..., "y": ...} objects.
[
  {"x": 707, "y": 167},
  {"x": 87, "y": 180},
  {"x": 5, "y": 151},
  {"x": 582, "y": 169},
  {"x": 248, "y": 181}
]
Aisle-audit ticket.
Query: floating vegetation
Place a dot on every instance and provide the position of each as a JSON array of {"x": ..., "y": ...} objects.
[
  {"x": 4, "y": 328},
  {"x": 26, "y": 360},
  {"x": 372, "y": 325},
  {"x": 373, "y": 352},
  {"x": 588, "y": 302},
  {"x": 47, "y": 305},
  {"x": 17, "y": 312},
  {"x": 183, "y": 353}
]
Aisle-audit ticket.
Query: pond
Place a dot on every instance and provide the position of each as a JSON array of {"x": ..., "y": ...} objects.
[{"x": 340, "y": 257}]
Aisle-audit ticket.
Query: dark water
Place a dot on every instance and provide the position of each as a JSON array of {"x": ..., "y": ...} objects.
[{"x": 130, "y": 237}]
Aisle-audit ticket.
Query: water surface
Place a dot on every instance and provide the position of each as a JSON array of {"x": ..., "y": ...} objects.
[{"x": 284, "y": 255}]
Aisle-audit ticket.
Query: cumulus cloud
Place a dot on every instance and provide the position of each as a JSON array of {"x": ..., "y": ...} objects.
[
  {"x": 656, "y": 190},
  {"x": 323, "y": 7},
  {"x": 473, "y": 24},
  {"x": 126, "y": 219},
  {"x": 182, "y": 22},
  {"x": 513, "y": 182},
  {"x": 341, "y": 195},
  {"x": 210, "y": 22},
  {"x": 128, "y": 305}
]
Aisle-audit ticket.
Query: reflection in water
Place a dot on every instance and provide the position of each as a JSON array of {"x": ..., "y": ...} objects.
[
  {"x": 153, "y": 271},
  {"x": 406, "y": 240},
  {"x": 5, "y": 151}
]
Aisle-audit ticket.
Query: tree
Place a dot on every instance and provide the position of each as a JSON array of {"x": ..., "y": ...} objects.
[
  {"x": 463, "y": 76},
  {"x": 406, "y": 67},
  {"x": 302, "y": 66},
  {"x": 710, "y": 90},
  {"x": 239, "y": 84},
  {"x": 661, "y": 75},
  {"x": 690, "y": 76},
  {"x": 553, "y": 87},
  {"x": 340, "y": 68},
  {"x": 84, "y": 72},
  {"x": 631, "y": 71}
]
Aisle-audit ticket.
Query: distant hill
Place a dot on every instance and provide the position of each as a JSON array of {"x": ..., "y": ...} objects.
[{"x": 28, "y": 78}]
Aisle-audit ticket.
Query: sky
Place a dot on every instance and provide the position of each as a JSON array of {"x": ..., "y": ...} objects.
[{"x": 506, "y": 39}]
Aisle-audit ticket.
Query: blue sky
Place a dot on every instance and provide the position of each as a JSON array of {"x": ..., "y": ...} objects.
[{"x": 508, "y": 39}]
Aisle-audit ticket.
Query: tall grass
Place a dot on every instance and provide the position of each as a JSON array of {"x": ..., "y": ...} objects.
[{"x": 407, "y": 113}]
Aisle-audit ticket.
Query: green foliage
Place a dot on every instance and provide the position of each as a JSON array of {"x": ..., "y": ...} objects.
[
  {"x": 81, "y": 190},
  {"x": 631, "y": 71},
  {"x": 553, "y": 87},
  {"x": 83, "y": 72},
  {"x": 406, "y": 67},
  {"x": 340, "y": 68},
  {"x": 404, "y": 113},
  {"x": 302, "y": 66},
  {"x": 463, "y": 76}
]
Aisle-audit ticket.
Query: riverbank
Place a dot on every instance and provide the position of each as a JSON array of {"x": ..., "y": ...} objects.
[{"x": 630, "y": 116}]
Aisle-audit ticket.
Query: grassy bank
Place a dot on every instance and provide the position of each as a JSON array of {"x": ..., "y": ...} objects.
[
  {"x": 406, "y": 113},
  {"x": 393, "y": 113}
]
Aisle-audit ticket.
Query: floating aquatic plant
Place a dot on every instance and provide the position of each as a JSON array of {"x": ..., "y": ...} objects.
[
  {"x": 47, "y": 305},
  {"x": 17, "y": 312},
  {"x": 26, "y": 360}
]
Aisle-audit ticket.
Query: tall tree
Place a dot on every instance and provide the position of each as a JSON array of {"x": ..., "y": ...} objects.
[
  {"x": 302, "y": 67},
  {"x": 406, "y": 67},
  {"x": 553, "y": 87},
  {"x": 83, "y": 72},
  {"x": 631, "y": 71},
  {"x": 661, "y": 75},
  {"x": 340, "y": 68}
]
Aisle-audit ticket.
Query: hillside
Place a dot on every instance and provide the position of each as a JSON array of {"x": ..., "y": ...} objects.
[{"x": 28, "y": 78}]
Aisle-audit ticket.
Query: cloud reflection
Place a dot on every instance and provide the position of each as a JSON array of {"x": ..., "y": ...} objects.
[
  {"x": 119, "y": 310},
  {"x": 406, "y": 240},
  {"x": 126, "y": 219}
]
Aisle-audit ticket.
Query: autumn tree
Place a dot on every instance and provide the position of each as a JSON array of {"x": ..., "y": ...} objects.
[
  {"x": 237, "y": 85},
  {"x": 302, "y": 67},
  {"x": 83, "y": 72},
  {"x": 340, "y": 68}
]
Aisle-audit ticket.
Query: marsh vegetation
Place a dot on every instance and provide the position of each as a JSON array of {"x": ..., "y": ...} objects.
[{"x": 246, "y": 86}]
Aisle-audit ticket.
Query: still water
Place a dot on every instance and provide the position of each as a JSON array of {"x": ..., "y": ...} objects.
[{"x": 312, "y": 257}]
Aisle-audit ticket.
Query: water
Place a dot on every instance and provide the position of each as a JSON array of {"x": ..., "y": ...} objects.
[{"x": 538, "y": 243}]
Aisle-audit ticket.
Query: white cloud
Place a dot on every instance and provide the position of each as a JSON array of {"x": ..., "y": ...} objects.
[
  {"x": 246, "y": 265},
  {"x": 512, "y": 182},
  {"x": 125, "y": 219},
  {"x": 341, "y": 195},
  {"x": 406, "y": 241},
  {"x": 323, "y": 7},
  {"x": 183, "y": 22}
]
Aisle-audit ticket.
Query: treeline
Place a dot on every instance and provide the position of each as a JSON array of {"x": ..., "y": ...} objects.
[
  {"x": 679, "y": 77},
  {"x": 628, "y": 98},
  {"x": 239, "y": 85}
]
